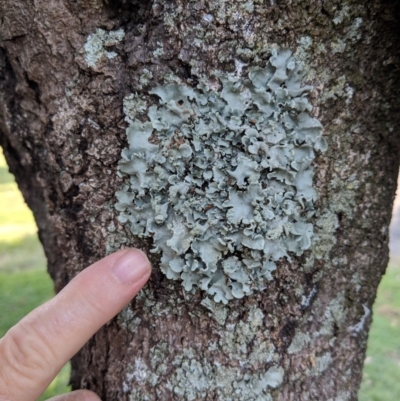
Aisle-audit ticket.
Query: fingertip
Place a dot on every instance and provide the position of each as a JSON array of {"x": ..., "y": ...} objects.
[
  {"x": 144, "y": 256},
  {"x": 132, "y": 266}
]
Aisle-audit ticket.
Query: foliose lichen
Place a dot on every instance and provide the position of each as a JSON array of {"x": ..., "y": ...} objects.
[
  {"x": 221, "y": 180},
  {"x": 96, "y": 44},
  {"x": 359, "y": 327},
  {"x": 192, "y": 380}
]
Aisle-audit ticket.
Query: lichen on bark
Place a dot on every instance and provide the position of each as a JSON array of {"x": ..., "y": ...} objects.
[
  {"x": 63, "y": 129},
  {"x": 221, "y": 181}
]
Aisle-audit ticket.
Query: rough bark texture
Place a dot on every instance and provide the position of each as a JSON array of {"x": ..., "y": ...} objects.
[{"x": 62, "y": 129}]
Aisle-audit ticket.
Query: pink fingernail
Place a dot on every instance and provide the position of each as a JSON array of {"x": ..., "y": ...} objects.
[{"x": 132, "y": 266}]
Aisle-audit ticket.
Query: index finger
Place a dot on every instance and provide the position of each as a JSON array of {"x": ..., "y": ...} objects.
[{"x": 33, "y": 351}]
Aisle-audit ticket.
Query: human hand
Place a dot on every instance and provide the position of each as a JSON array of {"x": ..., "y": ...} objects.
[{"x": 34, "y": 351}]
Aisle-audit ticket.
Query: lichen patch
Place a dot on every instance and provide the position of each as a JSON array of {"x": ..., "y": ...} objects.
[
  {"x": 222, "y": 180},
  {"x": 97, "y": 43}
]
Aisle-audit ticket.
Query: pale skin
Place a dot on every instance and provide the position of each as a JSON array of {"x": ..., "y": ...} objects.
[{"x": 33, "y": 351}]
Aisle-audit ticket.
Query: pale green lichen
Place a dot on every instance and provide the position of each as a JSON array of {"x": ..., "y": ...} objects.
[
  {"x": 193, "y": 379},
  {"x": 342, "y": 396},
  {"x": 146, "y": 77},
  {"x": 307, "y": 299},
  {"x": 134, "y": 105},
  {"x": 253, "y": 372},
  {"x": 237, "y": 337},
  {"x": 302, "y": 52},
  {"x": 159, "y": 51},
  {"x": 128, "y": 320},
  {"x": 343, "y": 196},
  {"x": 359, "y": 327},
  {"x": 325, "y": 238},
  {"x": 352, "y": 32},
  {"x": 342, "y": 14},
  {"x": 299, "y": 340},
  {"x": 334, "y": 319},
  {"x": 335, "y": 316},
  {"x": 138, "y": 373},
  {"x": 221, "y": 180},
  {"x": 218, "y": 312},
  {"x": 337, "y": 90},
  {"x": 96, "y": 44},
  {"x": 321, "y": 364},
  {"x": 339, "y": 46}
]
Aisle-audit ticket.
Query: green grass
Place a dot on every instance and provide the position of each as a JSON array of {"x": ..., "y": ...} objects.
[
  {"x": 24, "y": 284},
  {"x": 20, "y": 292},
  {"x": 381, "y": 379}
]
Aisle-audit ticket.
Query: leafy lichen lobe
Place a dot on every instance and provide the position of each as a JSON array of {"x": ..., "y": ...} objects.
[
  {"x": 96, "y": 44},
  {"x": 221, "y": 180}
]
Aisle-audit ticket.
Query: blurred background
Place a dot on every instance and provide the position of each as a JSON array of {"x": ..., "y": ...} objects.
[{"x": 25, "y": 284}]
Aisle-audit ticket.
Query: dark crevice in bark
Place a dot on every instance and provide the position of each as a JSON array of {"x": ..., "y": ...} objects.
[
  {"x": 26, "y": 178},
  {"x": 35, "y": 88}
]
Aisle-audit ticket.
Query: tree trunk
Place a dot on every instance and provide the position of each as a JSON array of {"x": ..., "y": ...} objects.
[{"x": 66, "y": 67}]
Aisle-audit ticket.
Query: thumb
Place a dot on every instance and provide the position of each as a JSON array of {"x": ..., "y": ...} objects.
[{"x": 33, "y": 351}]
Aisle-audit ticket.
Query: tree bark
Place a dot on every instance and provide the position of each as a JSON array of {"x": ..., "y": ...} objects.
[{"x": 62, "y": 130}]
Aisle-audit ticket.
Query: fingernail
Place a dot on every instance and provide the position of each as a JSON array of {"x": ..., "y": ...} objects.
[{"x": 131, "y": 266}]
